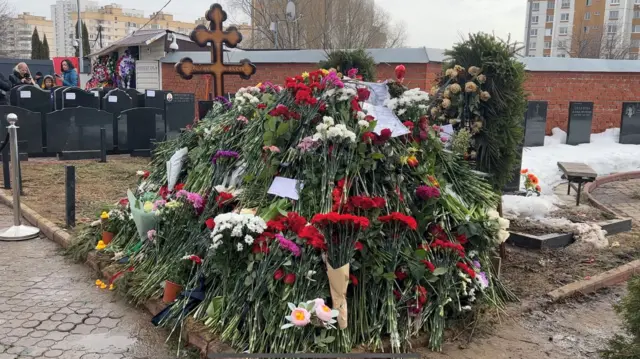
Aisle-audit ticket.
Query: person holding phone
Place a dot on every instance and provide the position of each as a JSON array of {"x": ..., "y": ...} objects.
[
  {"x": 69, "y": 75},
  {"x": 21, "y": 75}
]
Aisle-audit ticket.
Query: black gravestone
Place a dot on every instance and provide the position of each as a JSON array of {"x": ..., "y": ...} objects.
[
  {"x": 101, "y": 92},
  {"x": 37, "y": 100},
  {"x": 114, "y": 102},
  {"x": 136, "y": 128},
  {"x": 57, "y": 97},
  {"x": 535, "y": 123},
  {"x": 15, "y": 93},
  {"x": 630, "y": 123},
  {"x": 155, "y": 98},
  {"x": 74, "y": 132},
  {"x": 180, "y": 112},
  {"x": 136, "y": 97},
  {"x": 29, "y": 129},
  {"x": 580, "y": 118},
  {"x": 203, "y": 108},
  {"x": 75, "y": 97}
]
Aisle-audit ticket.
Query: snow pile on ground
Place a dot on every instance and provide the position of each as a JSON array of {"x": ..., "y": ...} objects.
[{"x": 604, "y": 154}]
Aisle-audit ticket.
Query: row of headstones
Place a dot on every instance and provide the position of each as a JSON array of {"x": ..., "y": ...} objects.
[
  {"x": 130, "y": 118},
  {"x": 580, "y": 120}
]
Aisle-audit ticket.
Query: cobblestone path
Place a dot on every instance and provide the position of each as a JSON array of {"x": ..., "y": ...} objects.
[
  {"x": 50, "y": 308},
  {"x": 622, "y": 196}
]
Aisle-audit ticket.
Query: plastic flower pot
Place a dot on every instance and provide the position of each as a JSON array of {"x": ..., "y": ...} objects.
[
  {"x": 107, "y": 237},
  {"x": 171, "y": 291}
]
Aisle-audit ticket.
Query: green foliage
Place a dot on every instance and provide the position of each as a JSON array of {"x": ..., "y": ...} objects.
[
  {"x": 344, "y": 60},
  {"x": 45, "y": 49},
  {"x": 36, "y": 45},
  {"x": 627, "y": 346},
  {"x": 503, "y": 129}
]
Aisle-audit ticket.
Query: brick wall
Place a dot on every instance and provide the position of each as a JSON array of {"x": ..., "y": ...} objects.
[{"x": 606, "y": 90}]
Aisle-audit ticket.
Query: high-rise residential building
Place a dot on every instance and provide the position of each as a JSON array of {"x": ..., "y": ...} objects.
[
  {"x": 64, "y": 25},
  {"x": 583, "y": 28},
  {"x": 111, "y": 23},
  {"x": 18, "y": 41}
]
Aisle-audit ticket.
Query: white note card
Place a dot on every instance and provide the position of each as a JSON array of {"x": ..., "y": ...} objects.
[
  {"x": 113, "y": 99},
  {"x": 386, "y": 119},
  {"x": 70, "y": 96},
  {"x": 285, "y": 187},
  {"x": 25, "y": 94},
  {"x": 151, "y": 94},
  {"x": 447, "y": 132},
  {"x": 95, "y": 93}
]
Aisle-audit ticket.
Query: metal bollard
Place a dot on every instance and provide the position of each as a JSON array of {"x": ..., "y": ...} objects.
[
  {"x": 70, "y": 196},
  {"x": 17, "y": 232}
]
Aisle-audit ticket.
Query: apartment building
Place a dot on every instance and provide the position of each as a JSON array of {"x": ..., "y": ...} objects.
[
  {"x": 583, "y": 28},
  {"x": 244, "y": 28},
  {"x": 64, "y": 25},
  {"x": 111, "y": 23},
  {"x": 20, "y": 29}
]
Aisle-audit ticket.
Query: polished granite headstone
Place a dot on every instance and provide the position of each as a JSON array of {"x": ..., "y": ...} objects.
[
  {"x": 630, "y": 123},
  {"x": 580, "y": 119},
  {"x": 535, "y": 123}
]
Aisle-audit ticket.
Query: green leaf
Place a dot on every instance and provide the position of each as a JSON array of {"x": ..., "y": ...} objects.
[
  {"x": 440, "y": 271},
  {"x": 248, "y": 281},
  {"x": 215, "y": 307},
  {"x": 377, "y": 156},
  {"x": 282, "y": 129},
  {"x": 421, "y": 254},
  {"x": 250, "y": 267},
  {"x": 389, "y": 276},
  {"x": 328, "y": 340}
]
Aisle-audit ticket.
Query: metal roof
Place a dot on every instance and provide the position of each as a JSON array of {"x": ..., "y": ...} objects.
[
  {"x": 418, "y": 55},
  {"x": 562, "y": 64},
  {"x": 138, "y": 38}
]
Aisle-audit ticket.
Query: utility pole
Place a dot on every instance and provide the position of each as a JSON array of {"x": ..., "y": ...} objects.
[
  {"x": 80, "y": 50},
  {"x": 528, "y": 35}
]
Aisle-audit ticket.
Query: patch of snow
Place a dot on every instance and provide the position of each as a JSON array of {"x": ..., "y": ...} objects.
[{"x": 604, "y": 154}]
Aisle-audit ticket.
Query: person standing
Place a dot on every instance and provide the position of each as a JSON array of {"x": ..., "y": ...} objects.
[
  {"x": 38, "y": 78},
  {"x": 48, "y": 82},
  {"x": 5, "y": 87},
  {"x": 69, "y": 74},
  {"x": 21, "y": 75}
]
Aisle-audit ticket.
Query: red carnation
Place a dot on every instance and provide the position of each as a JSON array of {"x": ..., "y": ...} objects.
[
  {"x": 363, "y": 94},
  {"x": 178, "y": 187},
  {"x": 355, "y": 106},
  {"x": 401, "y": 71},
  {"x": 146, "y": 174},
  {"x": 428, "y": 265},
  {"x": 408, "y": 124},
  {"x": 262, "y": 106},
  {"x": 462, "y": 239},
  {"x": 210, "y": 223},
  {"x": 368, "y": 137},
  {"x": 359, "y": 246},
  {"x": 223, "y": 198},
  {"x": 124, "y": 202},
  {"x": 400, "y": 274},
  {"x": 296, "y": 222},
  {"x": 279, "y": 274},
  {"x": 290, "y": 279},
  {"x": 422, "y": 295},
  {"x": 353, "y": 279}
]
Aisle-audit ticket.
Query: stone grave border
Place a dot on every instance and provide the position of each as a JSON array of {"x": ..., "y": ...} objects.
[
  {"x": 195, "y": 333},
  {"x": 558, "y": 240}
]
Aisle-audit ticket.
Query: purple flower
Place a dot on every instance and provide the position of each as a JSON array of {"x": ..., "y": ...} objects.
[
  {"x": 427, "y": 192},
  {"x": 476, "y": 264},
  {"x": 332, "y": 78},
  {"x": 224, "y": 101},
  {"x": 482, "y": 278},
  {"x": 224, "y": 154},
  {"x": 288, "y": 245}
]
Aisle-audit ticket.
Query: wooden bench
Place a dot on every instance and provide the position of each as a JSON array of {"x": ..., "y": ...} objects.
[{"x": 578, "y": 173}]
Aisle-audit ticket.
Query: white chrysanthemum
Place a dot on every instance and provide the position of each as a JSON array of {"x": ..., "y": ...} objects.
[
  {"x": 240, "y": 247},
  {"x": 361, "y": 115},
  {"x": 327, "y": 120},
  {"x": 363, "y": 124},
  {"x": 248, "y": 239}
]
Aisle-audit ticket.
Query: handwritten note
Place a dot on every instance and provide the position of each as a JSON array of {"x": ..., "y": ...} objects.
[
  {"x": 447, "y": 132},
  {"x": 25, "y": 94},
  {"x": 386, "y": 119},
  {"x": 285, "y": 187},
  {"x": 379, "y": 93}
]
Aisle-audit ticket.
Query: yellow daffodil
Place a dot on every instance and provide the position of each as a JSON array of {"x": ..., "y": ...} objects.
[
  {"x": 148, "y": 206},
  {"x": 305, "y": 75},
  {"x": 104, "y": 215},
  {"x": 111, "y": 286},
  {"x": 100, "y": 246}
]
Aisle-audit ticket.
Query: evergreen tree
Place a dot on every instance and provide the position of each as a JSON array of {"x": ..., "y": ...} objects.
[
  {"x": 45, "y": 49},
  {"x": 77, "y": 54},
  {"x": 86, "y": 47},
  {"x": 36, "y": 45}
]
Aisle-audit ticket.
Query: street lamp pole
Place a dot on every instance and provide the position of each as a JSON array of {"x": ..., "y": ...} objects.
[{"x": 80, "y": 49}]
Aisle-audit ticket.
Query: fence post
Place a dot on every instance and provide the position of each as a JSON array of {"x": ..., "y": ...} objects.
[
  {"x": 6, "y": 172},
  {"x": 70, "y": 196},
  {"x": 17, "y": 232}
]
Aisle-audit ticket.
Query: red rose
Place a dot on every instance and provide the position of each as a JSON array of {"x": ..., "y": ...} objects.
[
  {"x": 178, "y": 187},
  {"x": 279, "y": 274},
  {"x": 408, "y": 124},
  {"x": 146, "y": 174},
  {"x": 210, "y": 223},
  {"x": 290, "y": 279},
  {"x": 368, "y": 137},
  {"x": 359, "y": 246},
  {"x": 262, "y": 106},
  {"x": 400, "y": 275},
  {"x": 401, "y": 71},
  {"x": 355, "y": 106},
  {"x": 353, "y": 279},
  {"x": 124, "y": 202},
  {"x": 363, "y": 94}
]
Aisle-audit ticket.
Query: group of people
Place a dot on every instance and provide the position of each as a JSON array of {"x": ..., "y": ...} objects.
[{"x": 22, "y": 76}]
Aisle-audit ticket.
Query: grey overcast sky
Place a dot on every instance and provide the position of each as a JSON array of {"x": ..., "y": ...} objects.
[{"x": 430, "y": 23}]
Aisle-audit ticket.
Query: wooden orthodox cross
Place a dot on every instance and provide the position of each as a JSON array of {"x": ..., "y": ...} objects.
[{"x": 216, "y": 36}]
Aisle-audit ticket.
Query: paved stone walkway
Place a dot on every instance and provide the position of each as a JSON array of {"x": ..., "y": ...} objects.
[
  {"x": 621, "y": 196},
  {"x": 50, "y": 308}
]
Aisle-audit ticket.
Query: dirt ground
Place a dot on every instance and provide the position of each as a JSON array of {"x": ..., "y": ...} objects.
[
  {"x": 43, "y": 181},
  {"x": 577, "y": 328}
]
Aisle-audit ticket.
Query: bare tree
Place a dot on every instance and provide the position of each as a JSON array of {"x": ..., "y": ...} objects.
[
  {"x": 320, "y": 24},
  {"x": 591, "y": 42},
  {"x": 7, "y": 33}
]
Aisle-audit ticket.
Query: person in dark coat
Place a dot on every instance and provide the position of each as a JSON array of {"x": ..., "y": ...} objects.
[
  {"x": 5, "y": 87},
  {"x": 21, "y": 75},
  {"x": 39, "y": 79}
]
